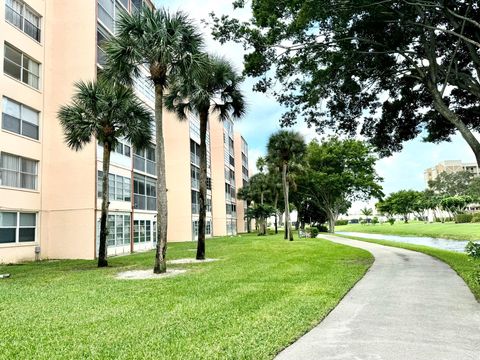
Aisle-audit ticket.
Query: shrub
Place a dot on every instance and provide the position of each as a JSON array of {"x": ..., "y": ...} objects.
[
  {"x": 476, "y": 218},
  {"x": 473, "y": 251},
  {"x": 463, "y": 218},
  {"x": 391, "y": 221},
  {"x": 375, "y": 220},
  {"x": 341, "y": 222},
  {"x": 363, "y": 222},
  {"x": 322, "y": 228},
  {"x": 313, "y": 232}
]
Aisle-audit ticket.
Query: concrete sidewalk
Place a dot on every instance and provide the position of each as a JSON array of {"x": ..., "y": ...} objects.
[{"x": 409, "y": 306}]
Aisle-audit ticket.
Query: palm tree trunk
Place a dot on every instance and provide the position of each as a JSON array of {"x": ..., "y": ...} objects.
[
  {"x": 249, "y": 222},
  {"x": 288, "y": 229},
  {"x": 203, "y": 186},
  {"x": 102, "y": 250},
  {"x": 162, "y": 209},
  {"x": 275, "y": 203},
  {"x": 263, "y": 228}
]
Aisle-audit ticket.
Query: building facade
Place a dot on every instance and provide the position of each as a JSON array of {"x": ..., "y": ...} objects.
[
  {"x": 49, "y": 194},
  {"x": 450, "y": 166}
]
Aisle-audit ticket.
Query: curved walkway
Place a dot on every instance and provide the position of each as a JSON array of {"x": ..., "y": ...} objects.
[{"x": 409, "y": 306}]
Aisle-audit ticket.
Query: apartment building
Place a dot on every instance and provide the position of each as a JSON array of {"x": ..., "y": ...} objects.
[
  {"x": 450, "y": 166},
  {"x": 49, "y": 194}
]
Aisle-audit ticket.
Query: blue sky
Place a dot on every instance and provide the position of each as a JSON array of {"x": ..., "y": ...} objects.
[{"x": 403, "y": 170}]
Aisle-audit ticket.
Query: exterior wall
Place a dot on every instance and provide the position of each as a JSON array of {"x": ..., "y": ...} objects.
[
  {"x": 241, "y": 222},
  {"x": 15, "y": 199},
  {"x": 219, "y": 213},
  {"x": 65, "y": 200},
  {"x": 450, "y": 166},
  {"x": 177, "y": 163},
  {"x": 68, "y": 201}
]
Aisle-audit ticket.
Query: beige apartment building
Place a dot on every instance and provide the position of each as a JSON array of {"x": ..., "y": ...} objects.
[
  {"x": 450, "y": 166},
  {"x": 49, "y": 194}
]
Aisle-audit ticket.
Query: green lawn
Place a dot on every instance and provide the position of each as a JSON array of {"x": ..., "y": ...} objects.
[
  {"x": 457, "y": 261},
  {"x": 262, "y": 295},
  {"x": 448, "y": 230}
]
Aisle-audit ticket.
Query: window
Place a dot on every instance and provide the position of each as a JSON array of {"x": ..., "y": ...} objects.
[
  {"x": 16, "y": 227},
  {"x": 144, "y": 86},
  {"x": 119, "y": 187},
  {"x": 123, "y": 149},
  {"x": 144, "y": 160},
  {"x": 144, "y": 193},
  {"x": 195, "y": 228},
  {"x": 21, "y": 67},
  {"x": 195, "y": 176},
  {"x": 106, "y": 13},
  {"x": 19, "y": 119},
  {"x": 109, "y": 12},
  {"x": 19, "y": 172},
  {"x": 195, "y": 202},
  {"x": 245, "y": 172},
  {"x": 124, "y": 3},
  {"x": 208, "y": 227},
  {"x": 102, "y": 36},
  {"x": 118, "y": 230},
  {"x": 23, "y": 17},
  {"x": 194, "y": 153},
  {"x": 209, "y": 183},
  {"x": 136, "y": 4},
  {"x": 231, "y": 209},
  {"x": 142, "y": 231}
]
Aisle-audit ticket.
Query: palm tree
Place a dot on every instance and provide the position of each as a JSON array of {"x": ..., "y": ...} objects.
[
  {"x": 215, "y": 87},
  {"x": 259, "y": 188},
  {"x": 165, "y": 45},
  {"x": 106, "y": 112},
  {"x": 286, "y": 148},
  {"x": 367, "y": 212},
  {"x": 245, "y": 194}
]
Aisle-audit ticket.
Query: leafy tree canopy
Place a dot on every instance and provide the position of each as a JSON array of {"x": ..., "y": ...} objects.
[
  {"x": 451, "y": 184},
  {"x": 338, "y": 172},
  {"x": 404, "y": 67}
]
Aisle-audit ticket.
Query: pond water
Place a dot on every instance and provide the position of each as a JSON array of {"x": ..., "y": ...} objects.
[{"x": 445, "y": 244}]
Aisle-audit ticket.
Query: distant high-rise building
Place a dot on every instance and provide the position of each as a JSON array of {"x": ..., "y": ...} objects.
[
  {"x": 49, "y": 194},
  {"x": 450, "y": 166}
]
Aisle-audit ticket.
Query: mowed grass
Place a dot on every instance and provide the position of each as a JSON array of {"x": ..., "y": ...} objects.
[
  {"x": 448, "y": 230},
  {"x": 261, "y": 295},
  {"x": 459, "y": 262}
]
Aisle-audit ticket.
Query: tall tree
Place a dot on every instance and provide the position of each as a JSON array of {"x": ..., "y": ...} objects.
[
  {"x": 286, "y": 148},
  {"x": 213, "y": 88},
  {"x": 245, "y": 194},
  {"x": 339, "y": 172},
  {"x": 451, "y": 184},
  {"x": 402, "y": 203},
  {"x": 105, "y": 112},
  {"x": 166, "y": 45},
  {"x": 406, "y": 67},
  {"x": 259, "y": 191}
]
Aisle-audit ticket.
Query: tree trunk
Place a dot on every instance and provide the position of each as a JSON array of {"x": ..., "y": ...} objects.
[
  {"x": 249, "y": 222},
  {"x": 162, "y": 209},
  {"x": 203, "y": 186},
  {"x": 275, "y": 203},
  {"x": 263, "y": 227},
  {"x": 453, "y": 118},
  {"x": 102, "y": 250},
  {"x": 288, "y": 228}
]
